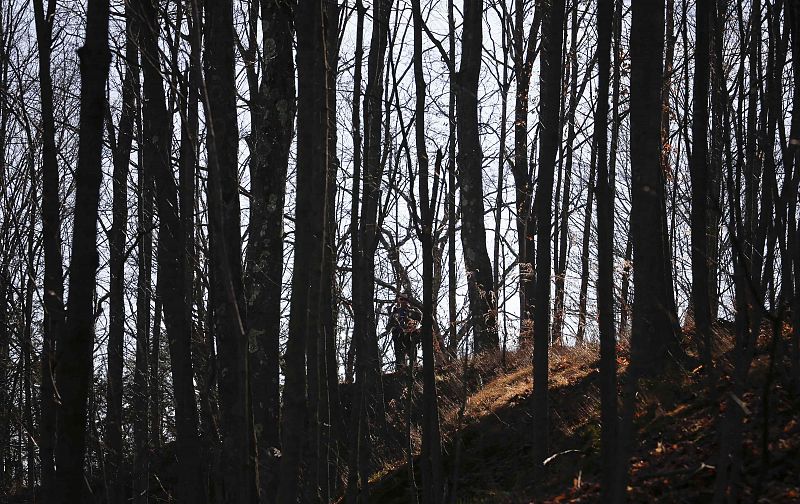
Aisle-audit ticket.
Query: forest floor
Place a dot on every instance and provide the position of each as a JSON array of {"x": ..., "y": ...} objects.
[
  {"x": 488, "y": 449},
  {"x": 486, "y": 420}
]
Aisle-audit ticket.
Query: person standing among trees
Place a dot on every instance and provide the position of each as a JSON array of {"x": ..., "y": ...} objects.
[{"x": 404, "y": 324}]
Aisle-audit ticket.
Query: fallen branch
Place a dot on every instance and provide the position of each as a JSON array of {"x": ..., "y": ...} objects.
[{"x": 556, "y": 455}]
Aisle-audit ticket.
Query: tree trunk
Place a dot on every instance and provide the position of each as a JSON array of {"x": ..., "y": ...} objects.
[
  {"x": 452, "y": 280},
  {"x": 171, "y": 283},
  {"x": 561, "y": 256},
  {"x": 225, "y": 244},
  {"x": 793, "y": 20},
  {"x": 431, "y": 467},
  {"x": 121, "y": 152},
  {"x": 5, "y": 378},
  {"x": 332, "y": 427},
  {"x": 522, "y": 169},
  {"x": 718, "y": 101},
  {"x": 483, "y": 307},
  {"x": 26, "y": 339},
  {"x": 369, "y": 408},
  {"x": 699, "y": 169},
  {"x": 272, "y": 112},
  {"x": 357, "y": 436},
  {"x": 143, "y": 398},
  {"x": 53, "y": 295},
  {"x": 580, "y": 334},
  {"x": 605, "y": 259},
  {"x": 549, "y": 92},
  {"x": 77, "y": 342},
  {"x": 654, "y": 336},
  {"x": 305, "y": 319}
]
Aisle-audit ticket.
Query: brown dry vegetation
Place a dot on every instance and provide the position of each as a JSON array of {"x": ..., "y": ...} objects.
[{"x": 488, "y": 449}]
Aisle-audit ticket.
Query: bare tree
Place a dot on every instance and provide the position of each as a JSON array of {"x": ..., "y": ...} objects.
[
  {"x": 51, "y": 231},
  {"x": 549, "y": 96},
  {"x": 483, "y": 307},
  {"x": 171, "y": 286},
  {"x": 272, "y": 110},
  {"x": 74, "y": 358}
]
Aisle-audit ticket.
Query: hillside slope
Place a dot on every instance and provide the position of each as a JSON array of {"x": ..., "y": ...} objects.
[{"x": 489, "y": 458}]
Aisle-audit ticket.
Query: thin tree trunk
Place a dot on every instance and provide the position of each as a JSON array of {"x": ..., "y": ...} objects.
[
  {"x": 580, "y": 334},
  {"x": 46, "y": 437},
  {"x": 431, "y": 467},
  {"x": 523, "y": 184},
  {"x": 369, "y": 393},
  {"x": 5, "y": 375},
  {"x": 561, "y": 258},
  {"x": 145, "y": 377},
  {"x": 356, "y": 435},
  {"x": 616, "y": 35},
  {"x": 605, "y": 260},
  {"x": 624, "y": 297},
  {"x": 452, "y": 280},
  {"x": 26, "y": 340},
  {"x": 549, "y": 88},
  {"x": 171, "y": 283},
  {"x": 698, "y": 166},
  {"x": 121, "y": 158},
  {"x": 53, "y": 294},
  {"x": 501, "y": 165}
]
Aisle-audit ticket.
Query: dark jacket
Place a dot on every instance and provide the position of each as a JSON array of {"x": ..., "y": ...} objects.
[{"x": 399, "y": 317}]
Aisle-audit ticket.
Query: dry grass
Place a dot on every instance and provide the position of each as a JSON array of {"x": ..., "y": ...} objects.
[{"x": 489, "y": 446}]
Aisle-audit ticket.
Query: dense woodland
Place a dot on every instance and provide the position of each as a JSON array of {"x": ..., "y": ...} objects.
[{"x": 211, "y": 208}]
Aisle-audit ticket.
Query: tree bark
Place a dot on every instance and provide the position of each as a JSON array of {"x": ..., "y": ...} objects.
[
  {"x": 483, "y": 306},
  {"x": 563, "y": 244},
  {"x": 654, "y": 335},
  {"x": 522, "y": 169},
  {"x": 432, "y": 484},
  {"x": 357, "y": 437},
  {"x": 549, "y": 92},
  {"x": 53, "y": 295},
  {"x": 368, "y": 383},
  {"x": 171, "y": 285},
  {"x": 272, "y": 112},
  {"x": 580, "y": 334},
  {"x": 331, "y": 426},
  {"x": 793, "y": 20},
  {"x": 147, "y": 428},
  {"x": 74, "y": 371},
  {"x": 121, "y": 153},
  {"x": 311, "y": 220},
  {"x": 238, "y": 473},
  {"x": 605, "y": 259},
  {"x": 699, "y": 170}
]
